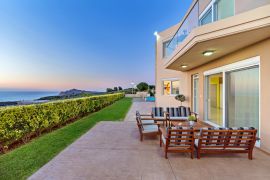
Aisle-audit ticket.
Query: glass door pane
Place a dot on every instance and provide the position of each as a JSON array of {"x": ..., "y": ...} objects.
[
  {"x": 195, "y": 93},
  {"x": 215, "y": 99},
  {"x": 224, "y": 9},
  {"x": 243, "y": 98}
]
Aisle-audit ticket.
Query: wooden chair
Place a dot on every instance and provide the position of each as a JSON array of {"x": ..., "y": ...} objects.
[
  {"x": 145, "y": 118},
  {"x": 180, "y": 113},
  {"x": 177, "y": 140},
  {"x": 147, "y": 127},
  {"x": 232, "y": 140}
]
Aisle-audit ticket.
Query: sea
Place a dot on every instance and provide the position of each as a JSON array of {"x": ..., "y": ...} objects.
[{"x": 6, "y": 96}]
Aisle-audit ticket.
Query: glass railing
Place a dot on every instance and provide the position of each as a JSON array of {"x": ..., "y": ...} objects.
[{"x": 188, "y": 24}]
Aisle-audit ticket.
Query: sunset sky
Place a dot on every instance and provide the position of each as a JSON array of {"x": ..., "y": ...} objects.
[{"x": 84, "y": 44}]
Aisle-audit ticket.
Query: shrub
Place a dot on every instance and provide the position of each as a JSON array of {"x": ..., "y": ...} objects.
[
  {"x": 143, "y": 86},
  {"x": 109, "y": 90},
  {"x": 20, "y": 123},
  {"x": 192, "y": 118},
  {"x": 130, "y": 90},
  {"x": 181, "y": 98},
  {"x": 151, "y": 90}
]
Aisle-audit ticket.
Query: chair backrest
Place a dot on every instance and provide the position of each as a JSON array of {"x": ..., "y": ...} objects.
[
  {"x": 157, "y": 112},
  {"x": 137, "y": 113},
  {"x": 139, "y": 121},
  {"x": 180, "y": 136},
  {"x": 180, "y": 111},
  {"x": 213, "y": 137},
  {"x": 228, "y": 138},
  {"x": 243, "y": 137}
]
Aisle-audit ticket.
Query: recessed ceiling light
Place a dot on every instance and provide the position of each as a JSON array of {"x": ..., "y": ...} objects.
[
  {"x": 208, "y": 53},
  {"x": 184, "y": 66}
]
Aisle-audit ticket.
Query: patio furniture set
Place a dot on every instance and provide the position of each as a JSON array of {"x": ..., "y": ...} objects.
[{"x": 178, "y": 136}]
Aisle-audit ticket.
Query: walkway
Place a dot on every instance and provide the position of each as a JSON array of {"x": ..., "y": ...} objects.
[{"x": 112, "y": 150}]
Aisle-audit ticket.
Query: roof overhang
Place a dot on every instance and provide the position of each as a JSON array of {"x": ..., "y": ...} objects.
[{"x": 222, "y": 37}]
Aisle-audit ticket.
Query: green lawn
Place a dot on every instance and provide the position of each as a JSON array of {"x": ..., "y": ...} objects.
[{"x": 24, "y": 161}]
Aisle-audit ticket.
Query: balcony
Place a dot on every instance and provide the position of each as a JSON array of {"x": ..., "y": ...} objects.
[
  {"x": 221, "y": 37},
  {"x": 189, "y": 23}
]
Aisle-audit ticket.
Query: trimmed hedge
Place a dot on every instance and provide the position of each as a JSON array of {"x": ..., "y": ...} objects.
[{"x": 20, "y": 123}]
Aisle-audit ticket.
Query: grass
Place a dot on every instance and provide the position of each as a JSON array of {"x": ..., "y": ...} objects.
[{"x": 27, "y": 159}]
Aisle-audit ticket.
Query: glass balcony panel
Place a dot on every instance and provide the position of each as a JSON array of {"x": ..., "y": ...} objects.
[
  {"x": 189, "y": 23},
  {"x": 220, "y": 9}
]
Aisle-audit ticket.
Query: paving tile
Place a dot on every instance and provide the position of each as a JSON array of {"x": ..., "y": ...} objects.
[
  {"x": 142, "y": 107},
  {"x": 158, "y": 176},
  {"x": 112, "y": 150}
]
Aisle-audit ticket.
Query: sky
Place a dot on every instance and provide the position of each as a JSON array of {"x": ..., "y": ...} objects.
[{"x": 83, "y": 44}]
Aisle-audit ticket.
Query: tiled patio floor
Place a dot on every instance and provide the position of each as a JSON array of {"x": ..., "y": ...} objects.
[{"x": 112, "y": 150}]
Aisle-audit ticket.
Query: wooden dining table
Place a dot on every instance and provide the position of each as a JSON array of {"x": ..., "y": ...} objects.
[{"x": 196, "y": 126}]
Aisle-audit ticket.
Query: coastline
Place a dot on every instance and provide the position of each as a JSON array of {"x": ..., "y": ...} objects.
[
  {"x": 16, "y": 98},
  {"x": 18, "y": 103},
  {"x": 44, "y": 97}
]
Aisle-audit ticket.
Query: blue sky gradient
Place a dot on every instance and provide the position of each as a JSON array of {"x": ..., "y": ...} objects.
[{"x": 85, "y": 44}]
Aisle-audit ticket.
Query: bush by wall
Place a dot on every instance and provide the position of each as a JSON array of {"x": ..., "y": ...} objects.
[{"x": 20, "y": 123}]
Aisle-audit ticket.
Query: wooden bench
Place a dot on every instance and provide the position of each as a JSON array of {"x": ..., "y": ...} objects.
[
  {"x": 220, "y": 140},
  {"x": 180, "y": 113},
  {"x": 159, "y": 115},
  {"x": 177, "y": 140}
]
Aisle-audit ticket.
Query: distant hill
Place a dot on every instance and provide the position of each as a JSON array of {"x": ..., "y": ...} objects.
[{"x": 72, "y": 93}]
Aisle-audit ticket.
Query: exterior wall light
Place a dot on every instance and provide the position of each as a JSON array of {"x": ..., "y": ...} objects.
[{"x": 157, "y": 35}]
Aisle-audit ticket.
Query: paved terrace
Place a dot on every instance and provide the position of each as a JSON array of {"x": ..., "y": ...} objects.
[{"x": 112, "y": 150}]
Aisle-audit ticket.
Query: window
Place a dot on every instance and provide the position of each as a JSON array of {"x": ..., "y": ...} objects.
[
  {"x": 166, "y": 50},
  {"x": 171, "y": 87},
  {"x": 206, "y": 18},
  {"x": 223, "y": 9},
  {"x": 175, "y": 87},
  {"x": 166, "y": 87},
  {"x": 217, "y": 10}
]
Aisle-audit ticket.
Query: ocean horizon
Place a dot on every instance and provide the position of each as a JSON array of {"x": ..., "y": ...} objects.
[{"x": 6, "y": 96}]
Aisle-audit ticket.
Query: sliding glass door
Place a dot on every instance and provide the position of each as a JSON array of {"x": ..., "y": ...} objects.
[
  {"x": 214, "y": 100},
  {"x": 232, "y": 95},
  {"x": 242, "y": 98},
  {"x": 195, "y": 93},
  {"x": 217, "y": 10},
  {"x": 223, "y": 9}
]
